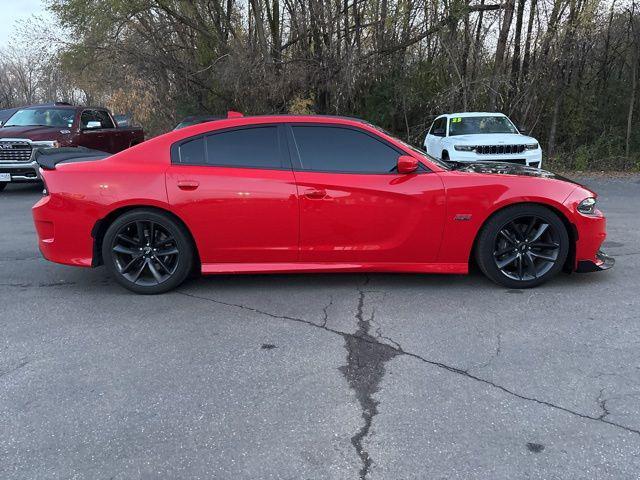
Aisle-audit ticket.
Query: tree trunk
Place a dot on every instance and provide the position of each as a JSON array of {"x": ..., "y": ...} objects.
[
  {"x": 515, "y": 61},
  {"x": 500, "y": 51}
]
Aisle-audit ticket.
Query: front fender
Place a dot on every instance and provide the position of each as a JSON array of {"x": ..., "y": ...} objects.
[{"x": 473, "y": 198}]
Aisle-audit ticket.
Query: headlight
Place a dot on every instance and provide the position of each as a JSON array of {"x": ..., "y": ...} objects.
[
  {"x": 465, "y": 148},
  {"x": 531, "y": 146},
  {"x": 587, "y": 206},
  {"x": 46, "y": 144}
]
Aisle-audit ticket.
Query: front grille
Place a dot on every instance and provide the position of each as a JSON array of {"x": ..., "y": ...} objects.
[
  {"x": 499, "y": 149},
  {"x": 15, "y": 151}
]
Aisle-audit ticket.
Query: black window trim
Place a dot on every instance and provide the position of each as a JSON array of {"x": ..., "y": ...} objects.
[
  {"x": 295, "y": 154},
  {"x": 285, "y": 158}
]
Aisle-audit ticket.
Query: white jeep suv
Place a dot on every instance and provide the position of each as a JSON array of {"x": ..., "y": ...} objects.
[{"x": 481, "y": 137}]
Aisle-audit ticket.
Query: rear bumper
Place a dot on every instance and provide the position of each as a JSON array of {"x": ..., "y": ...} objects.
[
  {"x": 62, "y": 238},
  {"x": 23, "y": 172},
  {"x": 600, "y": 263}
]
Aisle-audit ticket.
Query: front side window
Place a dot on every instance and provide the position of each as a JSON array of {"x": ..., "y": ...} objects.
[
  {"x": 480, "y": 125},
  {"x": 89, "y": 120},
  {"x": 95, "y": 119},
  {"x": 42, "y": 117},
  {"x": 439, "y": 127},
  {"x": 256, "y": 147},
  {"x": 346, "y": 150},
  {"x": 104, "y": 119}
]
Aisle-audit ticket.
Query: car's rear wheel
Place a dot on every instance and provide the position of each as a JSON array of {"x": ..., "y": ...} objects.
[
  {"x": 3, "y": 185},
  {"x": 147, "y": 251},
  {"x": 522, "y": 246}
]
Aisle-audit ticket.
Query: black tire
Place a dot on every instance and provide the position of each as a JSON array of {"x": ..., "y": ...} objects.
[
  {"x": 147, "y": 251},
  {"x": 522, "y": 246},
  {"x": 3, "y": 185},
  {"x": 445, "y": 156}
]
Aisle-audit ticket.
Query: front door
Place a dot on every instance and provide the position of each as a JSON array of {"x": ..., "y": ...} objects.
[
  {"x": 236, "y": 190},
  {"x": 355, "y": 207},
  {"x": 433, "y": 142},
  {"x": 93, "y": 133}
]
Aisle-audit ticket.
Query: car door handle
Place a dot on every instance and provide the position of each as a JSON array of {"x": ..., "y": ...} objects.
[
  {"x": 188, "y": 184},
  {"x": 316, "y": 193}
]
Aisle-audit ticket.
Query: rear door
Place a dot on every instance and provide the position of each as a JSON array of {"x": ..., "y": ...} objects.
[
  {"x": 355, "y": 207},
  {"x": 236, "y": 190}
]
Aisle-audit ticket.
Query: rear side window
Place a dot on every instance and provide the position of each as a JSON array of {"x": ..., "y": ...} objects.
[
  {"x": 247, "y": 147},
  {"x": 346, "y": 150}
]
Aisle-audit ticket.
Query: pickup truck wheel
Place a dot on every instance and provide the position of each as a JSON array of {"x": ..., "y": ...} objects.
[
  {"x": 3, "y": 185},
  {"x": 522, "y": 246},
  {"x": 445, "y": 156},
  {"x": 147, "y": 251}
]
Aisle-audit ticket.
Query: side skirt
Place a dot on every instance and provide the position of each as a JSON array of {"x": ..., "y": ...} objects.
[{"x": 453, "y": 268}]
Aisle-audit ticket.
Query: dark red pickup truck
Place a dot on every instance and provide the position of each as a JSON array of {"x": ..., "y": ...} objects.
[{"x": 57, "y": 125}]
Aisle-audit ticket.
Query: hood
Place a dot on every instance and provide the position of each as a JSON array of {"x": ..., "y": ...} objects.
[
  {"x": 34, "y": 133},
  {"x": 493, "y": 139},
  {"x": 503, "y": 168}
]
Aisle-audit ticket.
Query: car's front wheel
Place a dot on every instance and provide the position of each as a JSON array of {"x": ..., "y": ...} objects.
[
  {"x": 147, "y": 251},
  {"x": 522, "y": 246}
]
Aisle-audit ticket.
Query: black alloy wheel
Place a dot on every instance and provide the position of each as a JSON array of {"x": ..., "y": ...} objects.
[
  {"x": 147, "y": 251},
  {"x": 522, "y": 246},
  {"x": 526, "y": 248}
]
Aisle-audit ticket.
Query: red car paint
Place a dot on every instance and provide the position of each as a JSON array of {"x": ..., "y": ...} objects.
[{"x": 255, "y": 220}]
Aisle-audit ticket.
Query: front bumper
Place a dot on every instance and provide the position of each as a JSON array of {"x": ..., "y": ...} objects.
[
  {"x": 600, "y": 263},
  {"x": 21, "y": 171},
  {"x": 530, "y": 158}
]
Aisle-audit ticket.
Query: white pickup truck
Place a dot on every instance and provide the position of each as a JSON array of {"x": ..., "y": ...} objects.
[{"x": 481, "y": 137}]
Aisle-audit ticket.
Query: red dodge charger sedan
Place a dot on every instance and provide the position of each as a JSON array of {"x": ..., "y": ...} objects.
[{"x": 309, "y": 194}]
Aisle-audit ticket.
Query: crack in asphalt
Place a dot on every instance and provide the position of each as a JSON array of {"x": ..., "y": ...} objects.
[
  {"x": 603, "y": 405},
  {"x": 20, "y": 365},
  {"x": 398, "y": 351},
  {"x": 325, "y": 314},
  {"x": 364, "y": 370}
]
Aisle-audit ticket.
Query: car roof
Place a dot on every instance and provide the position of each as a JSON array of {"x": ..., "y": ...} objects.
[
  {"x": 65, "y": 106},
  {"x": 473, "y": 114}
]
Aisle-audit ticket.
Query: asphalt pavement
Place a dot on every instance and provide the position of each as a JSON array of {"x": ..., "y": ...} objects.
[{"x": 320, "y": 376}]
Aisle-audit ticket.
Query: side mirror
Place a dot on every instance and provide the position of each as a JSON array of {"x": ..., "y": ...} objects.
[
  {"x": 92, "y": 125},
  {"x": 439, "y": 132},
  {"x": 407, "y": 164},
  {"x": 523, "y": 130}
]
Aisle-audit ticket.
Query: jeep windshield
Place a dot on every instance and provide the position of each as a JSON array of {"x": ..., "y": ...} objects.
[
  {"x": 480, "y": 125},
  {"x": 42, "y": 117}
]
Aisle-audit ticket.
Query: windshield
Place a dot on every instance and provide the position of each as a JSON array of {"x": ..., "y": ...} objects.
[
  {"x": 42, "y": 117},
  {"x": 480, "y": 125}
]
